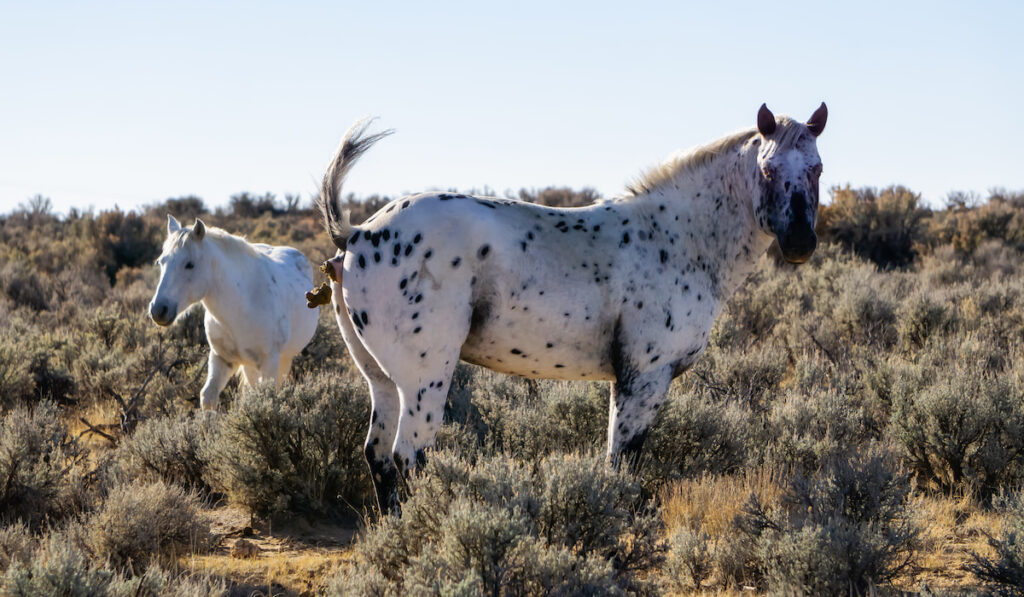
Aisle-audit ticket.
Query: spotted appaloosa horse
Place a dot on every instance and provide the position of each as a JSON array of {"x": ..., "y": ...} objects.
[
  {"x": 624, "y": 290},
  {"x": 256, "y": 319}
]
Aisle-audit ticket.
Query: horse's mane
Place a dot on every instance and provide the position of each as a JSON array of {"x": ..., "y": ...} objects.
[
  {"x": 222, "y": 238},
  {"x": 680, "y": 162}
]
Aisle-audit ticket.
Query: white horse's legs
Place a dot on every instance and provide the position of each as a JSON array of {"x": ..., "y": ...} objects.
[
  {"x": 250, "y": 375},
  {"x": 268, "y": 369},
  {"x": 633, "y": 404},
  {"x": 284, "y": 368},
  {"x": 219, "y": 372}
]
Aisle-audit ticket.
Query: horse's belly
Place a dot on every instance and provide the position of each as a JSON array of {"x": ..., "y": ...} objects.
[{"x": 539, "y": 351}]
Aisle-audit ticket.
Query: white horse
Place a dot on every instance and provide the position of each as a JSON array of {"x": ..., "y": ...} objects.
[
  {"x": 624, "y": 290},
  {"x": 256, "y": 318}
]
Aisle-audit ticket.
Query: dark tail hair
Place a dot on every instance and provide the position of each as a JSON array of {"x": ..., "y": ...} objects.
[{"x": 353, "y": 145}]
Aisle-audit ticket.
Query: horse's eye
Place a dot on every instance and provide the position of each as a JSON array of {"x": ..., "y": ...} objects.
[
  {"x": 189, "y": 265},
  {"x": 816, "y": 170}
]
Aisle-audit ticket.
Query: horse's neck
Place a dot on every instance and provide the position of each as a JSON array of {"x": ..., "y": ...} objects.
[
  {"x": 225, "y": 298},
  {"x": 714, "y": 204}
]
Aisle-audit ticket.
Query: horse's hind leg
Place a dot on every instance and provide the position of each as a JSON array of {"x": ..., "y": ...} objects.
[
  {"x": 422, "y": 397},
  {"x": 423, "y": 373},
  {"x": 384, "y": 409},
  {"x": 635, "y": 399}
]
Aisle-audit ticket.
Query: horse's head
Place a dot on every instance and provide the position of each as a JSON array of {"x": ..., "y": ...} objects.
[
  {"x": 787, "y": 206},
  {"x": 184, "y": 271}
]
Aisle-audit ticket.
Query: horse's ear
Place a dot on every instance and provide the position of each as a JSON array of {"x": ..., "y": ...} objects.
[
  {"x": 817, "y": 121},
  {"x": 172, "y": 224},
  {"x": 765, "y": 120},
  {"x": 199, "y": 230}
]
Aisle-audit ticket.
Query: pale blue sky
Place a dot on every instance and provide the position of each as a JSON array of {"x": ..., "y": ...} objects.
[{"x": 134, "y": 102}]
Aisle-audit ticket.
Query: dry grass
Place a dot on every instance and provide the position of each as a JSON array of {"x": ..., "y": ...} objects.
[
  {"x": 711, "y": 503},
  {"x": 951, "y": 528},
  {"x": 278, "y": 570}
]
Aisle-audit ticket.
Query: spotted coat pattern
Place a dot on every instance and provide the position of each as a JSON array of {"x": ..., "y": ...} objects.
[{"x": 624, "y": 290}]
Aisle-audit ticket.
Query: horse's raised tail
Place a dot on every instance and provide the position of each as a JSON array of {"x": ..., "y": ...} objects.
[{"x": 353, "y": 145}]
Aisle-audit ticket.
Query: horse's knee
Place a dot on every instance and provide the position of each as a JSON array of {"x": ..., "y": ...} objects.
[{"x": 209, "y": 400}]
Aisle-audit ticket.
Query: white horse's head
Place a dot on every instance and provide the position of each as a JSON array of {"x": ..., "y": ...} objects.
[
  {"x": 789, "y": 164},
  {"x": 184, "y": 271}
]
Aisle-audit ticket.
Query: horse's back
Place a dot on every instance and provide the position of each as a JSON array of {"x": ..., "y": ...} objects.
[{"x": 287, "y": 259}]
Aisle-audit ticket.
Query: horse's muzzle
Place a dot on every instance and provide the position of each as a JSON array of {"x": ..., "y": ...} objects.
[
  {"x": 798, "y": 248},
  {"x": 162, "y": 313}
]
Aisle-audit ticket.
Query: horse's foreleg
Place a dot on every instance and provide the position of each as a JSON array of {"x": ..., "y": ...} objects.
[
  {"x": 250, "y": 376},
  {"x": 269, "y": 369},
  {"x": 634, "y": 402},
  {"x": 219, "y": 372}
]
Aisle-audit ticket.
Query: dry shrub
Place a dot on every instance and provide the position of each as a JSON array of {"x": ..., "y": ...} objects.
[
  {"x": 533, "y": 418},
  {"x": 17, "y": 385},
  {"x": 41, "y": 465},
  {"x": 835, "y": 532},
  {"x": 293, "y": 450},
  {"x": 58, "y": 566},
  {"x": 170, "y": 449},
  {"x": 881, "y": 226},
  {"x": 693, "y": 435},
  {"x": 571, "y": 526},
  {"x": 138, "y": 522},
  {"x": 960, "y": 429},
  {"x": 804, "y": 431}
]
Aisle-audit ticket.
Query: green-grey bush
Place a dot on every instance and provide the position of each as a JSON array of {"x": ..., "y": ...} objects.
[
  {"x": 139, "y": 522},
  {"x": 533, "y": 418},
  {"x": 689, "y": 560},
  {"x": 693, "y": 435},
  {"x": 962, "y": 428},
  {"x": 58, "y": 566},
  {"x": 805, "y": 431},
  {"x": 569, "y": 525},
  {"x": 293, "y": 450},
  {"x": 41, "y": 465},
  {"x": 835, "y": 532},
  {"x": 172, "y": 449}
]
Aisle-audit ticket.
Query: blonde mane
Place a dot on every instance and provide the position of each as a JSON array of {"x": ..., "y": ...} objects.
[
  {"x": 228, "y": 242},
  {"x": 667, "y": 172}
]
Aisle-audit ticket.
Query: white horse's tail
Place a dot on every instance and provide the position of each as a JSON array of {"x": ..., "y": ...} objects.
[{"x": 353, "y": 145}]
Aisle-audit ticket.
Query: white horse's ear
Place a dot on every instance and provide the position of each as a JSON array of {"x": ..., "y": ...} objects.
[
  {"x": 765, "y": 121},
  {"x": 172, "y": 224},
  {"x": 199, "y": 230},
  {"x": 817, "y": 121}
]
